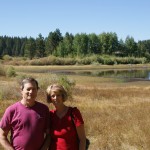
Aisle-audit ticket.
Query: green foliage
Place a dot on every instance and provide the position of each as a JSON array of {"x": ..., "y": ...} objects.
[
  {"x": 40, "y": 46},
  {"x": 54, "y": 79},
  {"x": 52, "y": 41},
  {"x": 11, "y": 72},
  {"x": 68, "y": 85},
  {"x": 131, "y": 46},
  {"x": 30, "y": 48},
  {"x": 109, "y": 60},
  {"x": 7, "y": 57},
  {"x": 93, "y": 59},
  {"x": 80, "y": 47}
]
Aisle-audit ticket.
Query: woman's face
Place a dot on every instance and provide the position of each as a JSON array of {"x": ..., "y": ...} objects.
[{"x": 56, "y": 97}]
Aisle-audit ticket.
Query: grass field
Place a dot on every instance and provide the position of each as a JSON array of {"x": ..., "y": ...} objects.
[{"x": 116, "y": 113}]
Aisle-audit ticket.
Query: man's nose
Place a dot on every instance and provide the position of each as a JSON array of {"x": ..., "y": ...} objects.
[{"x": 30, "y": 91}]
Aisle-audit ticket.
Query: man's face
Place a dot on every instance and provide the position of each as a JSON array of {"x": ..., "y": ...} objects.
[{"x": 29, "y": 92}]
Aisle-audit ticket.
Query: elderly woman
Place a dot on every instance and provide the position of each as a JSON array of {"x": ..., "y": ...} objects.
[{"x": 66, "y": 123}]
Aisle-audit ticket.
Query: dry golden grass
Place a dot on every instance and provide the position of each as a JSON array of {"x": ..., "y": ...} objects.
[{"x": 116, "y": 113}]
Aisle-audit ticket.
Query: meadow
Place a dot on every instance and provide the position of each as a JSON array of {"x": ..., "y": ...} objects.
[{"x": 116, "y": 113}]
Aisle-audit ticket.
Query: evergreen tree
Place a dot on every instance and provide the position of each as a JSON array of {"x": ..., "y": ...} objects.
[
  {"x": 30, "y": 48},
  {"x": 9, "y": 46},
  {"x": 40, "y": 46},
  {"x": 52, "y": 41},
  {"x": 2, "y": 46}
]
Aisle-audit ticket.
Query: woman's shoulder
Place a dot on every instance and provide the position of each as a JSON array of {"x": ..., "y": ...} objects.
[
  {"x": 76, "y": 115},
  {"x": 74, "y": 110}
]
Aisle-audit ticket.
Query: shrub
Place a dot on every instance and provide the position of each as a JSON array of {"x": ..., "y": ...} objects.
[
  {"x": 11, "y": 72},
  {"x": 7, "y": 57},
  {"x": 68, "y": 84}
]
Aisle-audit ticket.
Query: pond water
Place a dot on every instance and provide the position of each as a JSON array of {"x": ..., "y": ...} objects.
[
  {"x": 143, "y": 74},
  {"x": 127, "y": 74}
]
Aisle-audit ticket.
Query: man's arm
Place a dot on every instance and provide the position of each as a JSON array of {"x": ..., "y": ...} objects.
[
  {"x": 46, "y": 142},
  {"x": 4, "y": 140}
]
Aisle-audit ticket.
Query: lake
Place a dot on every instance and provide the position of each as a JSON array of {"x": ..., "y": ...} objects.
[
  {"x": 128, "y": 74},
  {"x": 143, "y": 74}
]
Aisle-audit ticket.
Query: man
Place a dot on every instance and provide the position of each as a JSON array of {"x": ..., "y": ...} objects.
[{"x": 28, "y": 121}]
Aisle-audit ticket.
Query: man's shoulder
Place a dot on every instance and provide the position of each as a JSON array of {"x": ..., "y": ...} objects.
[
  {"x": 13, "y": 106},
  {"x": 42, "y": 105}
]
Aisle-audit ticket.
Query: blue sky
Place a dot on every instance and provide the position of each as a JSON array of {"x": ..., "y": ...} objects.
[{"x": 30, "y": 17}]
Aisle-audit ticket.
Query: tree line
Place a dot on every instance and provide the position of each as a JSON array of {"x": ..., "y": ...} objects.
[{"x": 73, "y": 46}]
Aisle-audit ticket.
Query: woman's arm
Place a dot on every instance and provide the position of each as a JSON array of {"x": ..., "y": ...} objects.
[
  {"x": 4, "y": 140},
  {"x": 81, "y": 136},
  {"x": 46, "y": 142}
]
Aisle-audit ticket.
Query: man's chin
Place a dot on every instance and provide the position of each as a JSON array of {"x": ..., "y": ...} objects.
[{"x": 30, "y": 99}]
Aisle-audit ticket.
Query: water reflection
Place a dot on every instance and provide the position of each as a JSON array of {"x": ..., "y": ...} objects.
[
  {"x": 143, "y": 74},
  {"x": 127, "y": 74}
]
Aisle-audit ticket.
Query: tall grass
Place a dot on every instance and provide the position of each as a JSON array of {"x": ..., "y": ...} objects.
[
  {"x": 116, "y": 113},
  {"x": 116, "y": 118}
]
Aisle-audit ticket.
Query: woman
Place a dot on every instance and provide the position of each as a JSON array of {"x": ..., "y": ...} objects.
[{"x": 67, "y": 126}]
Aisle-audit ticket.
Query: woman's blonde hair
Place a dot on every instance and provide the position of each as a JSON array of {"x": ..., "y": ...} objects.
[{"x": 56, "y": 87}]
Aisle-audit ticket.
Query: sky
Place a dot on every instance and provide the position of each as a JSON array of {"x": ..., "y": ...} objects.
[{"x": 29, "y": 18}]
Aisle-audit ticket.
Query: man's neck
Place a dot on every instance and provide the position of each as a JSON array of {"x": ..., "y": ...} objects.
[{"x": 27, "y": 103}]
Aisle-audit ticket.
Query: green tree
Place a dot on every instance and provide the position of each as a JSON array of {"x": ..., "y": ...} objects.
[
  {"x": 40, "y": 46},
  {"x": 80, "y": 45},
  {"x": 9, "y": 46},
  {"x": 65, "y": 47},
  {"x": 121, "y": 49},
  {"x": 16, "y": 46},
  {"x": 144, "y": 48},
  {"x": 52, "y": 41},
  {"x": 61, "y": 50},
  {"x": 94, "y": 44},
  {"x": 2, "y": 46},
  {"x": 23, "y": 43},
  {"x": 109, "y": 43},
  {"x": 30, "y": 48},
  {"x": 131, "y": 46}
]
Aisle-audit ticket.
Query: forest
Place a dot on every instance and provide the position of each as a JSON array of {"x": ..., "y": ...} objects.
[{"x": 74, "y": 46}]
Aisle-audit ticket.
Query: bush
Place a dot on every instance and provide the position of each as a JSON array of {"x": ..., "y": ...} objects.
[
  {"x": 7, "y": 57},
  {"x": 11, "y": 72},
  {"x": 68, "y": 84}
]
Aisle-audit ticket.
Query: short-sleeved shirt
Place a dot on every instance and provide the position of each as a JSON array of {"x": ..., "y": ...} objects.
[
  {"x": 27, "y": 125},
  {"x": 63, "y": 131}
]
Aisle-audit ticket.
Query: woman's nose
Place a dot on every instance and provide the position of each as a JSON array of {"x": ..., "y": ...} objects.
[{"x": 55, "y": 97}]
